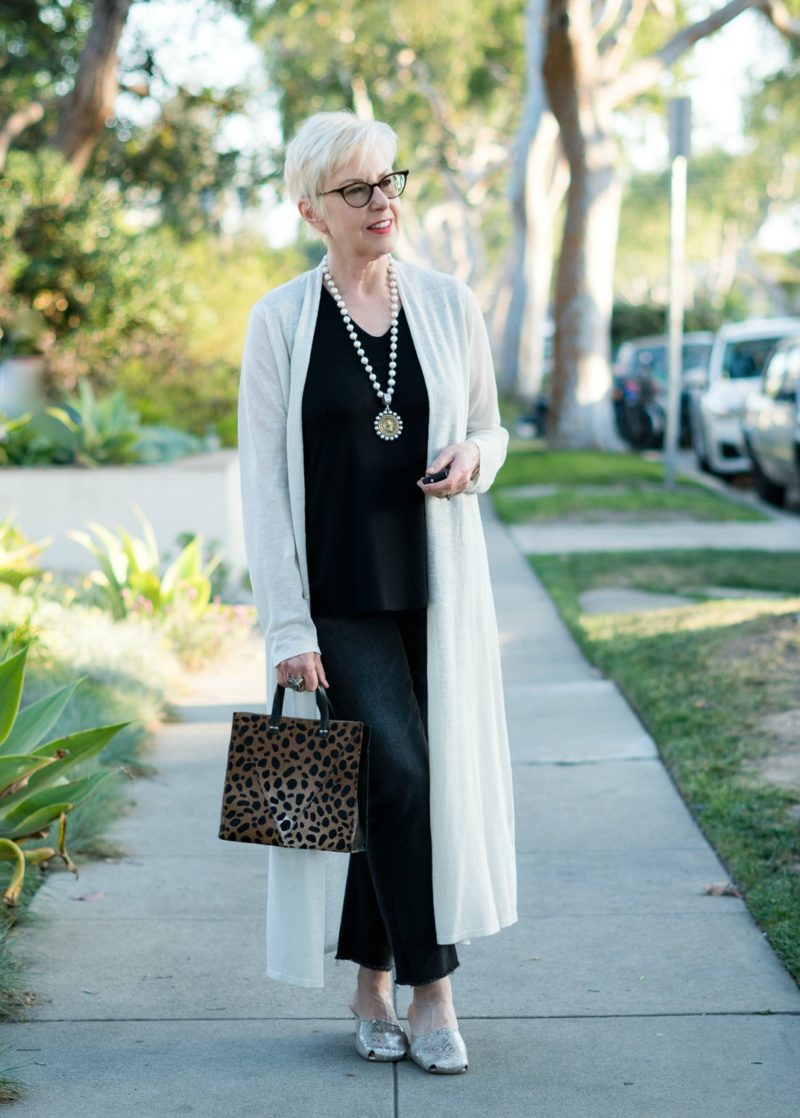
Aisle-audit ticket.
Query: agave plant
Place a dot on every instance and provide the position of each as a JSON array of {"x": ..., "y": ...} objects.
[
  {"x": 107, "y": 429},
  {"x": 82, "y": 430},
  {"x": 34, "y": 789},
  {"x": 128, "y": 569}
]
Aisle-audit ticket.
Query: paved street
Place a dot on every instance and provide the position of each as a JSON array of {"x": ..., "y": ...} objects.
[{"x": 622, "y": 992}]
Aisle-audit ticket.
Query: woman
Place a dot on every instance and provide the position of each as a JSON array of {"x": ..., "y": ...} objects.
[{"x": 360, "y": 379}]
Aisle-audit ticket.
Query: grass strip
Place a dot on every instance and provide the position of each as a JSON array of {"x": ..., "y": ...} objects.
[
  {"x": 601, "y": 486},
  {"x": 593, "y": 505},
  {"x": 533, "y": 464},
  {"x": 703, "y": 678}
]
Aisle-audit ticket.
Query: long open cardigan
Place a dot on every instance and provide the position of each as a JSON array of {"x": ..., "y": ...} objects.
[{"x": 471, "y": 805}]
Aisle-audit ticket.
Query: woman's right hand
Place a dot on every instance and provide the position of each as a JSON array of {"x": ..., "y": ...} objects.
[{"x": 308, "y": 665}]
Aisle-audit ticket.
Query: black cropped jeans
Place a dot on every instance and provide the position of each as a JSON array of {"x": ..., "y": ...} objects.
[{"x": 375, "y": 664}]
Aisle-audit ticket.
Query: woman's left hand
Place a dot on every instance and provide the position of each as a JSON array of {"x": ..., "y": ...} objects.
[{"x": 464, "y": 460}]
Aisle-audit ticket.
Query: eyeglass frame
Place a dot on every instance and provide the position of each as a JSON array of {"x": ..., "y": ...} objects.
[{"x": 371, "y": 185}]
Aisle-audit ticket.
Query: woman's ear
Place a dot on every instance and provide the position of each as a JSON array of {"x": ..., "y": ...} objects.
[{"x": 309, "y": 214}]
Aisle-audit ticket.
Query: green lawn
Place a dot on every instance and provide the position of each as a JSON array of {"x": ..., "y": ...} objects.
[
  {"x": 532, "y": 464},
  {"x": 703, "y": 678},
  {"x": 596, "y": 504},
  {"x": 596, "y": 486}
]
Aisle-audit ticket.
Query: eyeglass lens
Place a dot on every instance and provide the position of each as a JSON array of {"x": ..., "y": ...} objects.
[{"x": 359, "y": 193}]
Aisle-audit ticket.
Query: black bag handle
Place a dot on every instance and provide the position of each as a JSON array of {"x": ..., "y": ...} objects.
[{"x": 324, "y": 705}]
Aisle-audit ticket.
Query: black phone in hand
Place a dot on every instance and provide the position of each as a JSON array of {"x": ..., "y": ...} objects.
[{"x": 440, "y": 475}]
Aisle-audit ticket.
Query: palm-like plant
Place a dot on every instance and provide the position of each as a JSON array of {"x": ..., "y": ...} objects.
[
  {"x": 128, "y": 566},
  {"x": 34, "y": 789}
]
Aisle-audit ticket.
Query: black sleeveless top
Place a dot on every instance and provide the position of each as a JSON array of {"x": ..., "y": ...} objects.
[{"x": 365, "y": 514}]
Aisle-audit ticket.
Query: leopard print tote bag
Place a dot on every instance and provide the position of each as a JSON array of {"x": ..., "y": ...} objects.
[{"x": 296, "y": 782}]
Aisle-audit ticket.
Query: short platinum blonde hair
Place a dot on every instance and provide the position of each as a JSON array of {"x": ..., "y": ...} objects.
[{"x": 326, "y": 142}]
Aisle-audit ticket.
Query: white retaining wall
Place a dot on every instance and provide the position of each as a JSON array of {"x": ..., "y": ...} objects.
[{"x": 199, "y": 493}]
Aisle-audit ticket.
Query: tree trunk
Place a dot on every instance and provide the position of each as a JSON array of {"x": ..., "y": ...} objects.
[
  {"x": 538, "y": 182},
  {"x": 85, "y": 110},
  {"x": 548, "y": 179},
  {"x": 580, "y": 404}
]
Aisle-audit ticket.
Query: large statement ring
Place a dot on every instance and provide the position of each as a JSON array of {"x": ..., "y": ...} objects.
[{"x": 296, "y": 682}]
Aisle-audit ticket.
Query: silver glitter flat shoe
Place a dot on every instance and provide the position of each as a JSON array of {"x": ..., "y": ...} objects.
[
  {"x": 378, "y": 1039},
  {"x": 443, "y": 1051}
]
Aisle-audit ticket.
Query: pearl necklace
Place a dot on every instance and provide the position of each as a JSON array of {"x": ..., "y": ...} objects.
[{"x": 388, "y": 424}]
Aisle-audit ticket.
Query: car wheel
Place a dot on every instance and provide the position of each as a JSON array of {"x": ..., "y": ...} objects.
[
  {"x": 639, "y": 428},
  {"x": 769, "y": 491},
  {"x": 702, "y": 461},
  {"x": 699, "y": 444}
]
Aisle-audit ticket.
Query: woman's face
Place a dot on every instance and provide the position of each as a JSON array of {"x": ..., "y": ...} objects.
[{"x": 365, "y": 232}]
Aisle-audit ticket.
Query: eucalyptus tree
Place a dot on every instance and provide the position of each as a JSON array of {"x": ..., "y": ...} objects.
[
  {"x": 60, "y": 77},
  {"x": 590, "y": 70},
  {"x": 447, "y": 76}
]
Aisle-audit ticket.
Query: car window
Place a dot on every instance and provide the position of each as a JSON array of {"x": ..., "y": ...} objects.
[
  {"x": 773, "y": 373},
  {"x": 696, "y": 355},
  {"x": 791, "y": 376},
  {"x": 746, "y": 358},
  {"x": 649, "y": 361}
]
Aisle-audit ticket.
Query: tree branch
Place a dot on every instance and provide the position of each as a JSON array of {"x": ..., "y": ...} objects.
[
  {"x": 780, "y": 18},
  {"x": 16, "y": 124},
  {"x": 614, "y": 47},
  {"x": 643, "y": 75},
  {"x": 606, "y": 16}
]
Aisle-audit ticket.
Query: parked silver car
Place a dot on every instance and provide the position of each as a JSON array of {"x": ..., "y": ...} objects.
[
  {"x": 737, "y": 361},
  {"x": 771, "y": 423}
]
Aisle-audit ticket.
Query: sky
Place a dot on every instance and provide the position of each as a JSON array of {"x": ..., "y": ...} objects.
[{"x": 192, "y": 46}]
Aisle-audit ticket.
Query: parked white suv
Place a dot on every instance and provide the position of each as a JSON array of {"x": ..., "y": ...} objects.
[
  {"x": 771, "y": 423},
  {"x": 737, "y": 359}
]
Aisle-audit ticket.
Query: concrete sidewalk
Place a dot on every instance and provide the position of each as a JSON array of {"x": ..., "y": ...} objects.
[{"x": 622, "y": 992}]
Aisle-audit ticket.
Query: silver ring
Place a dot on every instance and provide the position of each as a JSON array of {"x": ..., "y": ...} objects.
[
  {"x": 449, "y": 496},
  {"x": 296, "y": 682}
]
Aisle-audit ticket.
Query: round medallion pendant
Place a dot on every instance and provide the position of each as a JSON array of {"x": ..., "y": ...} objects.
[{"x": 388, "y": 424}]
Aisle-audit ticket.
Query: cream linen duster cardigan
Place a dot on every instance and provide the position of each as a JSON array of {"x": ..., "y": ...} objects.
[{"x": 471, "y": 805}]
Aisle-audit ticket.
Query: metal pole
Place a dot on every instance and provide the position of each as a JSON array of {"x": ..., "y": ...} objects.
[{"x": 679, "y": 137}]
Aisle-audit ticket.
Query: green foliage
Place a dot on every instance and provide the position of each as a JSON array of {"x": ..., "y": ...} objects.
[
  {"x": 176, "y": 161},
  {"x": 128, "y": 583},
  {"x": 24, "y": 332},
  {"x": 448, "y": 77},
  {"x": 730, "y": 197},
  {"x": 168, "y": 158},
  {"x": 40, "y": 40},
  {"x": 470, "y": 56},
  {"x": 191, "y": 379},
  {"x": 127, "y": 673},
  {"x": 641, "y": 320},
  {"x": 16, "y": 553},
  {"x": 128, "y": 570},
  {"x": 74, "y": 259},
  {"x": 34, "y": 789},
  {"x": 85, "y": 430}
]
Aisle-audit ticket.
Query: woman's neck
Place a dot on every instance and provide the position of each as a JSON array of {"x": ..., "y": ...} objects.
[{"x": 358, "y": 278}]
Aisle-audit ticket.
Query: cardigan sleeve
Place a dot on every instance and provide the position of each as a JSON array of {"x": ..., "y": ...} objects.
[
  {"x": 282, "y": 608},
  {"x": 483, "y": 421}
]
